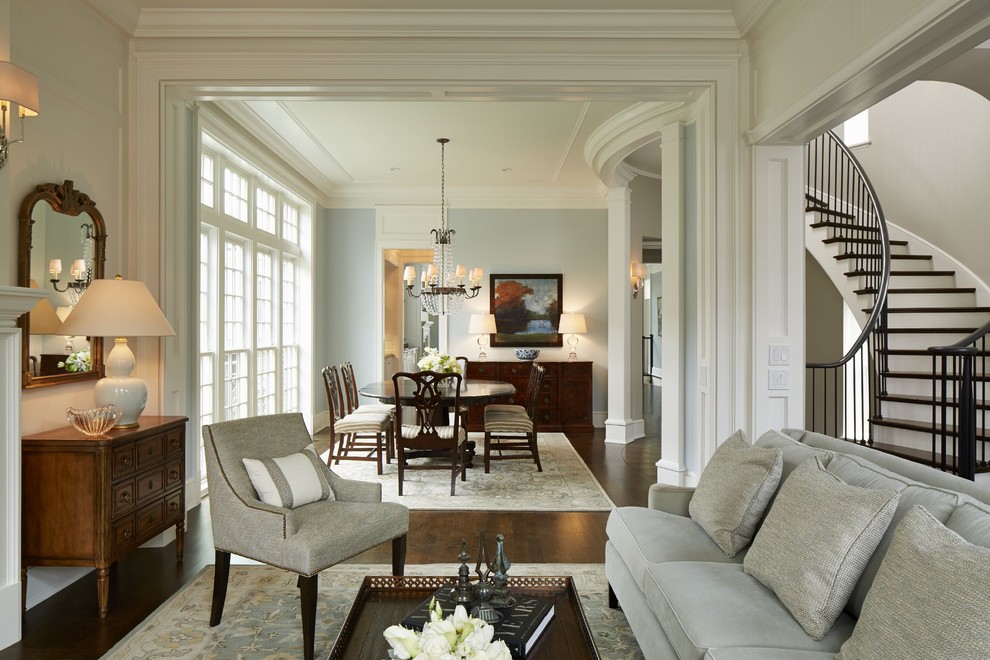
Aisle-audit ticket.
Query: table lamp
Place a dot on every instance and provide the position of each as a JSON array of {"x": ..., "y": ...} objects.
[
  {"x": 119, "y": 308},
  {"x": 482, "y": 325},
  {"x": 42, "y": 318},
  {"x": 573, "y": 325}
]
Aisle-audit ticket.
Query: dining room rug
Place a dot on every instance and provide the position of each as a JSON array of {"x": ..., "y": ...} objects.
[
  {"x": 261, "y": 615},
  {"x": 566, "y": 483}
]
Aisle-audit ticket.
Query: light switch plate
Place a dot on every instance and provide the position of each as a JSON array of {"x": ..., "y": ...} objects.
[
  {"x": 780, "y": 355},
  {"x": 779, "y": 379}
]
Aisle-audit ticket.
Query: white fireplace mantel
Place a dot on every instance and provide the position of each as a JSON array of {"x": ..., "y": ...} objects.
[{"x": 14, "y": 301}]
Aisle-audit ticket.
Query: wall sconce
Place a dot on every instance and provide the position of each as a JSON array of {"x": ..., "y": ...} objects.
[
  {"x": 638, "y": 276},
  {"x": 81, "y": 273},
  {"x": 20, "y": 87}
]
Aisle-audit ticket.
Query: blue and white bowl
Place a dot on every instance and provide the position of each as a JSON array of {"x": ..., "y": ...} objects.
[{"x": 527, "y": 353}]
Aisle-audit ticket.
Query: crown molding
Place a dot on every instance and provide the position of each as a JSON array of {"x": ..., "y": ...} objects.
[
  {"x": 469, "y": 197},
  {"x": 534, "y": 24}
]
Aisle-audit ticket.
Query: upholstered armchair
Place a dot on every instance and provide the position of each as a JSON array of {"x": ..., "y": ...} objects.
[{"x": 305, "y": 539}]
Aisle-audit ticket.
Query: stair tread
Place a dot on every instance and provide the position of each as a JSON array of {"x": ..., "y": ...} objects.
[
  {"x": 893, "y": 257},
  {"x": 908, "y": 273},
  {"x": 923, "y": 351},
  {"x": 922, "y": 456},
  {"x": 948, "y": 331},
  {"x": 867, "y": 241},
  {"x": 842, "y": 225},
  {"x": 933, "y": 310},
  {"x": 927, "y": 375},
  {"x": 827, "y": 211},
  {"x": 811, "y": 198},
  {"x": 917, "y": 290}
]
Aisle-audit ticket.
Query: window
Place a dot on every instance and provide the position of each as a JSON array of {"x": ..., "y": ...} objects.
[
  {"x": 856, "y": 131},
  {"x": 251, "y": 272}
]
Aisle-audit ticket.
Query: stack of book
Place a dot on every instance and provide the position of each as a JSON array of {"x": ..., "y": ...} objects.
[{"x": 520, "y": 626}]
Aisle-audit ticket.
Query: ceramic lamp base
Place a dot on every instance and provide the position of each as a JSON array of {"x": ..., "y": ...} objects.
[{"x": 120, "y": 388}]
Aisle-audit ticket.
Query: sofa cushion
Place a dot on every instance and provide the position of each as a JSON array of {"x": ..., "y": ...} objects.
[
  {"x": 858, "y": 471},
  {"x": 793, "y": 452},
  {"x": 971, "y": 520},
  {"x": 816, "y": 541},
  {"x": 290, "y": 481},
  {"x": 929, "y": 599},
  {"x": 645, "y": 536},
  {"x": 707, "y": 605},
  {"x": 734, "y": 490},
  {"x": 748, "y": 653}
]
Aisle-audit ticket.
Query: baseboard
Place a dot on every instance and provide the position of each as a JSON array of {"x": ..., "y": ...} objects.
[
  {"x": 46, "y": 581},
  {"x": 321, "y": 420},
  {"x": 598, "y": 419},
  {"x": 10, "y": 622},
  {"x": 674, "y": 474},
  {"x": 624, "y": 431}
]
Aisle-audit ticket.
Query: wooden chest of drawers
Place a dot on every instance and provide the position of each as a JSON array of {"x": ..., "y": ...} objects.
[
  {"x": 89, "y": 501},
  {"x": 565, "y": 396}
]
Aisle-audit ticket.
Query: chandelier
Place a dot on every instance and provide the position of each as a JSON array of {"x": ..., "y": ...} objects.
[{"x": 442, "y": 285}]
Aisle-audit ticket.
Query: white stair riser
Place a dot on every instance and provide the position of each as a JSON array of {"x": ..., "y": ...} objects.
[
  {"x": 964, "y": 299},
  {"x": 921, "y": 281},
  {"x": 913, "y": 411},
  {"x": 910, "y": 386},
  {"x": 913, "y": 363},
  {"x": 922, "y": 340},
  {"x": 970, "y": 320},
  {"x": 902, "y": 438}
]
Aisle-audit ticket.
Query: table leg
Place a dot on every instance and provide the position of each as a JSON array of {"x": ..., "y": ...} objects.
[{"x": 180, "y": 540}]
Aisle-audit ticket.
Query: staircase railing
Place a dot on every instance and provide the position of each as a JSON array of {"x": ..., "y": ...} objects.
[
  {"x": 844, "y": 395},
  {"x": 959, "y": 396}
]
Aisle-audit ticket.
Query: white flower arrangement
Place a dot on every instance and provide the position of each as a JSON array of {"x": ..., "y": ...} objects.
[
  {"x": 434, "y": 360},
  {"x": 458, "y": 637},
  {"x": 78, "y": 361}
]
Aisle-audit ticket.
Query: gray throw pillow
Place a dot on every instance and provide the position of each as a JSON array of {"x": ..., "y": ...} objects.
[
  {"x": 290, "y": 481},
  {"x": 734, "y": 490},
  {"x": 929, "y": 599},
  {"x": 816, "y": 541}
]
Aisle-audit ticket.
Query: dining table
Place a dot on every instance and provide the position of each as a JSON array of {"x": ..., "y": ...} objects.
[{"x": 474, "y": 392}]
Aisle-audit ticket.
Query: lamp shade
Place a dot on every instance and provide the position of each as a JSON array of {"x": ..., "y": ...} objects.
[
  {"x": 572, "y": 324},
  {"x": 482, "y": 324},
  {"x": 117, "y": 308},
  {"x": 19, "y": 86}
]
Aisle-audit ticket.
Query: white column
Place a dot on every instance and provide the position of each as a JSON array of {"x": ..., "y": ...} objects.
[
  {"x": 620, "y": 427},
  {"x": 778, "y": 288},
  {"x": 670, "y": 467},
  {"x": 14, "y": 301}
]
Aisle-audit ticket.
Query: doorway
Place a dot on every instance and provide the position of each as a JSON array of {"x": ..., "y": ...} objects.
[{"x": 408, "y": 330}]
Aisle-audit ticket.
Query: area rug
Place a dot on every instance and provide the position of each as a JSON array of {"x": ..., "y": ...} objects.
[
  {"x": 261, "y": 616},
  {"x": 566, "y": 483}
]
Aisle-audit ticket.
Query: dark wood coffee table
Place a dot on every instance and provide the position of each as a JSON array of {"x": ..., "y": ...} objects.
[{"x": 384, "y": 601}]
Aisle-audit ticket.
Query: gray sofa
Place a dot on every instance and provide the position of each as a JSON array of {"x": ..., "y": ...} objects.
[{"x": 684, "y": 598}]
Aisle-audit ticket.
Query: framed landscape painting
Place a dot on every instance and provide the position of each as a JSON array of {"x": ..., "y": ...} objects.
[{"x": 526, "y": 309}]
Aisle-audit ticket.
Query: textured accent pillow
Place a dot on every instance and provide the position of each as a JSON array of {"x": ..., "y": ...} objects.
[
  {"x": 290, "y": 481},
  {"x": 816, "y": 541},
  {"x": 929, "y": 598},
  {"x": 734, "y": 490}
]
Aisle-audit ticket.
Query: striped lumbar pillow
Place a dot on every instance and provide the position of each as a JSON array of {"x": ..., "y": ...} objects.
[{"x": 290, "y": 481}]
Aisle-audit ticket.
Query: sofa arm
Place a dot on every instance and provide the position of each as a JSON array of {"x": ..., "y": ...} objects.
[
  {"x": 672, "y": 499},
  {"x": 350, "y": 490}
]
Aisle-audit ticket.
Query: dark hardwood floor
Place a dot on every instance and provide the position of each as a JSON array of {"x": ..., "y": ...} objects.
[{"x": 67, "y": 625}]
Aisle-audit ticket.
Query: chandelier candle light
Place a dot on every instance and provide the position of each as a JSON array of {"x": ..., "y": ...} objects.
[
  {"x": 442, "y": 285},
  {"x": 119, "y": 308}
]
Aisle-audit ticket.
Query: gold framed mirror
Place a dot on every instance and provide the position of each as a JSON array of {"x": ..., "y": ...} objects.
[{"x": 62, "y": 249}]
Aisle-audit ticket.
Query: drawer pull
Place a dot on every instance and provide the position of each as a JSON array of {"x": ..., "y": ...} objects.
[
  {"x": 173, "y": 475},
  {"x": 151, "y": 485},
  {"x": 126, "y": 496},
  {"x": 128, "y": 533},
  {"x": 128, "y": 460},
  {"x": 173, "y": 506}
]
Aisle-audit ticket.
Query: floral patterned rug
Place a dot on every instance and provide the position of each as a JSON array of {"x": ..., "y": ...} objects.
[
  {"x": 261, "y": 615},
  {"x": 566, "y": 483}
]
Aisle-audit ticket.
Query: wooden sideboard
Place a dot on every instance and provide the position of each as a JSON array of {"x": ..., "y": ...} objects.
[
  {"x": 565, "y": 396},
  {"x": 88, "y": 501}
]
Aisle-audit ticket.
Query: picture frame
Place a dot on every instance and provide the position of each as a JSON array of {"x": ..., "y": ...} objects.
[{"x": 527, "y": 309}]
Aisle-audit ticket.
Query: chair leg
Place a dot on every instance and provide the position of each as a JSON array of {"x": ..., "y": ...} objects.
[
  {"x": 488, "y": 451},
  {"x": 453, "y": 468},
  {"x": 613, "y": 602},
  {"x": 535, "y": 449},
  {"x": 401, "y": 461},
  {"x": 379, "y": 441},
  {"x": 399, "y": 555},
  {"x": 308, "y": 587},
  {"x": 221, "y": 572}
]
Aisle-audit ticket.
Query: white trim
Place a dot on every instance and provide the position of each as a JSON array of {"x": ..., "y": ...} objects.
[
  {"x": 14, "y": 301},
  {"x": 624, "y": 431}
]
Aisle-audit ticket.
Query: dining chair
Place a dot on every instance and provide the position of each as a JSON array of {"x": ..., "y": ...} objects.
[
  {"x": 428, "y": 394},
  {"x": 505, "y": 423},
  {"x": 353, "y": 403},
  {"x": 358, "y": 436},
  {"x": 347, "y": 518}
]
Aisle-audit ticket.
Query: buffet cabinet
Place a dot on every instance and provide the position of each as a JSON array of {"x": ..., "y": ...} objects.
[
  {"x": 88, "y": 501},
  {"x": 565, "y": 395}
]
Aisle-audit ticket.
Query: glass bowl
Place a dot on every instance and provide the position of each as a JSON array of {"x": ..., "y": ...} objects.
[{"x": 96, "y": 421}]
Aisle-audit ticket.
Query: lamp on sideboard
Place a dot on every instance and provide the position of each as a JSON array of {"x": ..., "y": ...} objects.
[
  {"x": 482, "y": 325},
  {"x": 119, "y": 308},
  {"x": 573, "y": 325}
]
